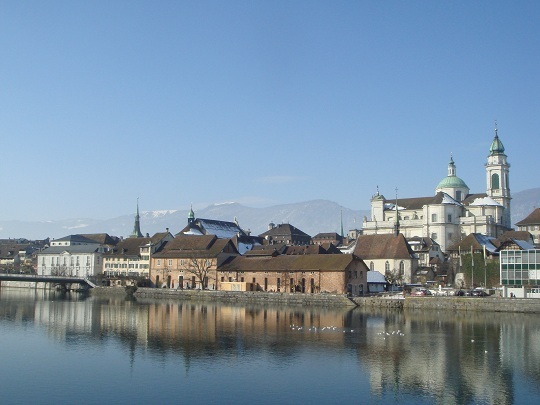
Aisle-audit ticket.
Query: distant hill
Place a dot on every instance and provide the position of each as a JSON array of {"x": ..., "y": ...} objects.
[
  {"x": 311, "y": 217},
  {"x": 523, "y": 203}
]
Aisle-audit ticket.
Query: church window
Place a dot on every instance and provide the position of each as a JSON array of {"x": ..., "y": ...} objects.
[
  {"x": 433, "y": 217},
  {"x": 434, "y": 236},
  {"x": 449, "y": 218},
  {"x": 372, "y": 266},
  {"x": 387, "y": 266},
  {"x": 458, "y": 195},
  {"x": 495, "y": 181},
  {"x": 401, "y": 267}
]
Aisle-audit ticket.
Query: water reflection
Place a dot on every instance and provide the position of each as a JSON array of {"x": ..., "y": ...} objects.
[{"x": 405, "y": 355}]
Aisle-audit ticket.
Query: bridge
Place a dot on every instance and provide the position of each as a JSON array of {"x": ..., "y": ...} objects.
[{"x": 61, "y": 280}]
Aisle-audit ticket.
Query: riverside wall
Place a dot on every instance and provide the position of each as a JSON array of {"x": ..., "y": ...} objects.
[
  {"x": 452, "y": 304},
  {"x": 487, "y": 304},
  {"x": 244, "y": 297}
]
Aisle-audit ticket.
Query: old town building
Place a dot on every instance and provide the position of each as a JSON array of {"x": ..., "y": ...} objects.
[{"x": 453, "y": 212}]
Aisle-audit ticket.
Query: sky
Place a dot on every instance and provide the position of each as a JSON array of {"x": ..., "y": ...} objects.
[{"x": 198, "y": 102}]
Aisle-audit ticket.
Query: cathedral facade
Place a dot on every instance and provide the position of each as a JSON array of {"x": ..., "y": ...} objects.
[{"x": 453, "y": 212}]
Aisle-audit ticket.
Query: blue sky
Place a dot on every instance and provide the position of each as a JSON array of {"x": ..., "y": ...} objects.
[{"x": 257, "y": 102}]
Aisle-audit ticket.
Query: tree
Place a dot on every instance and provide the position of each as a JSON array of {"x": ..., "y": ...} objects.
[
  {"x": 200, "y": 268},
  {"x": 393, "y": 277}
]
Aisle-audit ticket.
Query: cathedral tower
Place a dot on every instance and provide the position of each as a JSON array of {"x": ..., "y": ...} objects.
[{"x": 497, "y": 181}]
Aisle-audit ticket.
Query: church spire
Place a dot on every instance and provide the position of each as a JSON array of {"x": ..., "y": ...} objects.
[
  {"x": 341, "y": 218},
  {"x": 396, "y": 225},
  {"x": 137, "y": 226}
]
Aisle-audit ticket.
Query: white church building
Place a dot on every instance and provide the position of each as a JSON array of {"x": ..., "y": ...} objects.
[{"x": 452, "y": 213}]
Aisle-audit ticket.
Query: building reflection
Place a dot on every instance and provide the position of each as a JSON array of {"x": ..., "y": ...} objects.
[{"x": 462, "y": 357}]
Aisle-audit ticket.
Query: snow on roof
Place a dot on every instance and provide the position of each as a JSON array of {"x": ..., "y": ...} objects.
[
  {"x": 192, "y": 231},
  {"x": 486, "y": 241},
  {"x": 486, "y": 201},
  {"x": 222, "y": 229},
  {"x": 375, "y": 277},
  {"x": 449, "y": 200},
  {"x": 392, "y": 207}
]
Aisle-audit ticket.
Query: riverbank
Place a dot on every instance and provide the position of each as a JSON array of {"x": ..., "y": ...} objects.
[
  {"x": 453, "y": 304},
  {"x": 248, "y": 297}
]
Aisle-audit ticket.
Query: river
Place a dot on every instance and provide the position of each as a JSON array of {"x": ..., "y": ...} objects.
[{"x": 68, "y": 348}]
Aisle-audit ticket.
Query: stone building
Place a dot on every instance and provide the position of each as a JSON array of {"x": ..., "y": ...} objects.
[
  {"x": 453, "y": 212},
  {"x": 531, "y": 224},
  {"x": 190, "y": 261},
  {"x": 312, "y": 273},
  {"x": 388, "y": 254}
]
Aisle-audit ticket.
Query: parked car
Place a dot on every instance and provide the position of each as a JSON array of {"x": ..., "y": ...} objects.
[
  {"x": 421, "y": 292},
  {"x": 462, "y": 293},
  {"x": 479, "y": 293}
]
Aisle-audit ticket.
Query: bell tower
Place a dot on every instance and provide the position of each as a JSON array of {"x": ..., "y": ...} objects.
[{"x": 497, "y": 180}]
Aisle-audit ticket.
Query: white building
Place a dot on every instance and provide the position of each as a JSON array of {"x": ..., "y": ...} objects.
[
  {"x": 452, "y": 212},
  {"x": 73, "y": 255}
]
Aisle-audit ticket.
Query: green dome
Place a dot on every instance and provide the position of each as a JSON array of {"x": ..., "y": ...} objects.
[
  {"x": 496, "y": 147},
  {"x": 452, "y": 182}
]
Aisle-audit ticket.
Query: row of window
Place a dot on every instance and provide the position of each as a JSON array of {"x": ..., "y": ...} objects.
[{"x": 64, "y": 261}]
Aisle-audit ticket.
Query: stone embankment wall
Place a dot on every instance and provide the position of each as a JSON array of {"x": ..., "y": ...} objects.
[
  {"x": 244, "y": 297},
  {"x": 487, "y": 304}
]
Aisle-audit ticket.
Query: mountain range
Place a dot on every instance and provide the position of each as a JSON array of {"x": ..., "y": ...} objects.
[{"x": 311, "y": 217}]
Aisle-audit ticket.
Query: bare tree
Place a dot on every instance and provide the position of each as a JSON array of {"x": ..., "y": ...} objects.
[
  {"x": 200, "y": 268},
  {"x": 393, "y": 277}
]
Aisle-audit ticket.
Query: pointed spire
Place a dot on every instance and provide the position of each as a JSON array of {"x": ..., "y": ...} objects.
[
  {"x": 396, "y": 225},
  {"x": 191, "y": 215},
  {"x": 341, "y": 218},
  {"x": 137, "y": 226},
  {"x": 496, "y": 147}
]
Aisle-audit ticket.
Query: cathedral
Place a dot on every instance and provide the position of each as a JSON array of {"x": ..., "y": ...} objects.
[{"x": 452, "y": 213}]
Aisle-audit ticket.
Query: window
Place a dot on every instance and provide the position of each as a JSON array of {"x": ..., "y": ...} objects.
[
  {"x": 449, "y": 218},
  {"x": 433, "y": 217},
  {"x": 371, "y": 266},
  {"x": 158, "y": 262},
  {"x": 386, "y": 266},
  {"x": 401, "y": 267},
  {"x": 458, "y": 195},
  {"x": 495, "y": 181},
  {"x": 170, "y": 262},
  {"x": 434, "y": 236}
]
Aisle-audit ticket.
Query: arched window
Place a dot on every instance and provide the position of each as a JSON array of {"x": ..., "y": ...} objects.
[
  {"x": 372, "y": 266},
  {"x": 387, "y": 266},
  {"x": 495, "y": 181},
  {"x": 401, "y": 267}
]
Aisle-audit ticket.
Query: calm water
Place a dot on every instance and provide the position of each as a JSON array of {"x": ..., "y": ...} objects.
[{"x": 70, "y": 349}]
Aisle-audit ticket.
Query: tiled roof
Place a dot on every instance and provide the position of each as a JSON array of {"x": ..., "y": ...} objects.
[
  {"x": 284, "y": 230},
  {"x": 472, "y": 197},
  {"x": 382, "y": 246},
  {"x": 103, "y": 238},
  {"x": 10, "y": 251},
  {"x": 194, "y": 246},
  {"x": 532, "y": 219},
  {"x": 286, "y": 263},
  {"x": 75, "y": 239},
  {"x": 518, "y": 235},
  {"x": 475, "y": 240},
  {"x": 128, "y": 247},
  {"x": 305, "y": 250}
]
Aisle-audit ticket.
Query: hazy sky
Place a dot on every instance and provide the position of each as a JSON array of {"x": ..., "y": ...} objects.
[{"x": 258, "y": 102}]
